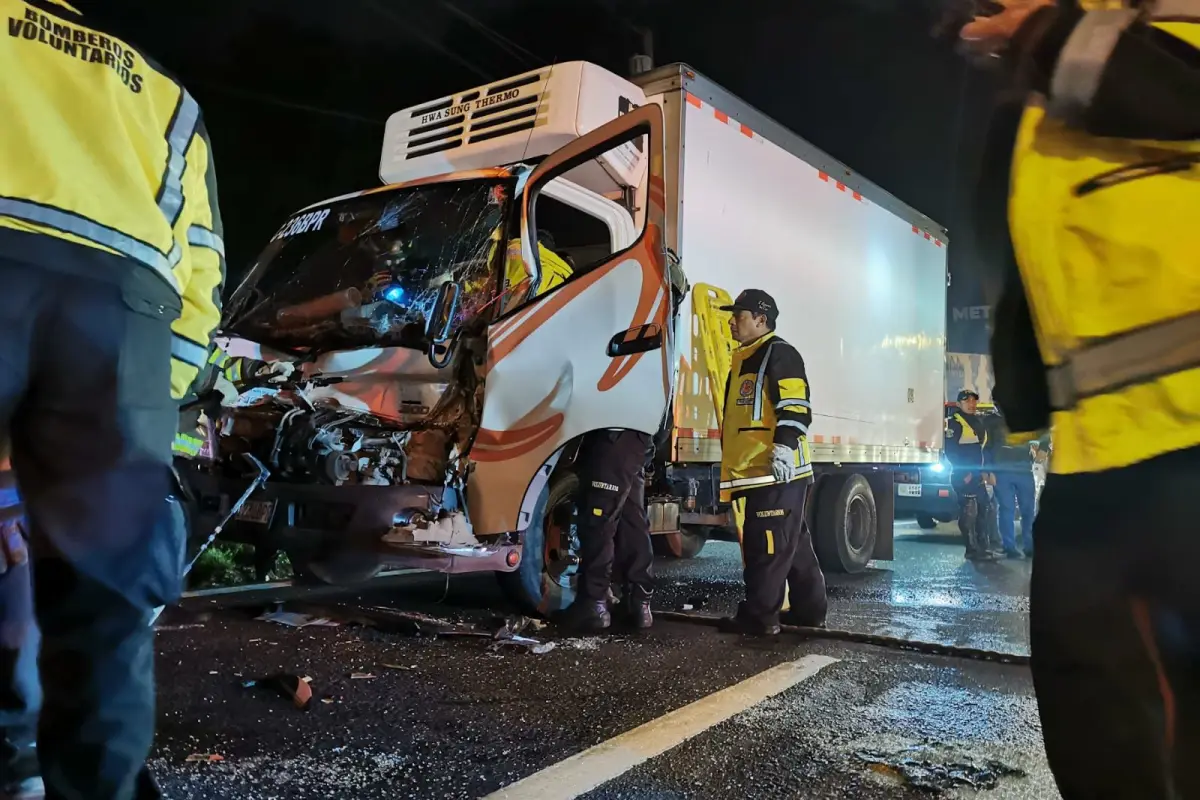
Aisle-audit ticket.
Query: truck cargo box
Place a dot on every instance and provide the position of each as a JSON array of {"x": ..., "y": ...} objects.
[{"x": 860, "y": 280}]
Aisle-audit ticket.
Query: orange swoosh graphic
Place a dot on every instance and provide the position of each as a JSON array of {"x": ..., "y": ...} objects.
[{"x": 652, "y": 283}]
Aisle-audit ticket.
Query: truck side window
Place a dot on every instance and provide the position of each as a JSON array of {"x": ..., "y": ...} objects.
[{"x": 573, "y": 235}]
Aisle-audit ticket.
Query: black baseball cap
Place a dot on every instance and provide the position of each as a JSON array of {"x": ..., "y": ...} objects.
[
  {"x": 756, "y": 301},
  {"x": 965, "y": 393}
]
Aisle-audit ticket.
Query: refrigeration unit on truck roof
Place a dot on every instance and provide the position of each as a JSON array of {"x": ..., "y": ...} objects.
[{"x": 516, "y": 119}]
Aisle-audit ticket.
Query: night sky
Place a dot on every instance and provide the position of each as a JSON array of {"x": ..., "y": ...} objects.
[{"x": 296, "y": 92}]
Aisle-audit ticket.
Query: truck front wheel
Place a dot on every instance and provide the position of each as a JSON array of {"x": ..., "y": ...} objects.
[
  {"x": 846, "y": 520},
  {"x": 544, "y": 582}
]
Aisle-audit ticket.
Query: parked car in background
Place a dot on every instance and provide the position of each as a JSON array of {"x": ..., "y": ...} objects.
[{"x": 923, "y": 491}]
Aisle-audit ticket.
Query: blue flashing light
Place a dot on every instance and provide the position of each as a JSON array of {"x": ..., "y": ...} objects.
[
  {"x": 393, "y": 294},
  {"x": 938, "y": 468}
]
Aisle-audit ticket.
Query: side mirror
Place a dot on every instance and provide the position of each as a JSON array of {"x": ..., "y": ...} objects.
[{"x": 441, "y": 318}]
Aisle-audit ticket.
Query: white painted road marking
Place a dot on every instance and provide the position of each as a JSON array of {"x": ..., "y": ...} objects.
[{"x": 583, "y": 772}]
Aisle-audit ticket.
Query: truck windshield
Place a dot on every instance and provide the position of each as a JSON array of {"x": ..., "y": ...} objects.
[{"x": 366, "y": 271}]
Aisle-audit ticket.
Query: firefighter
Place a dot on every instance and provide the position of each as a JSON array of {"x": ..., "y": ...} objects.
[
  {"x": 1089, "y": 192},
  {"x": 613, "y": 530},
  {"x": 111, "y": 260},
  {"x": 966, "y": 446},
  {"x": 766, "y": 469}
]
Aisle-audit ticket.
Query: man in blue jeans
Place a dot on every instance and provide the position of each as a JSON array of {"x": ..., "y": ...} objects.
[
  {"x": 20, "y": 691},
  {"x": 1015, "y": 490}
]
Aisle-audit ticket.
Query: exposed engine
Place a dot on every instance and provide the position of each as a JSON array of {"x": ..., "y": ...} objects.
[{"x": 320, "y": 441}]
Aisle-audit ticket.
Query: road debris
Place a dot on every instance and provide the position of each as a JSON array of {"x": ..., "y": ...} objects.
[
  {"x": 361, "y": 676},
  {"x": 589, "y": 643},
  {"x": 295, "y": 688},
  {"x": 206, "y": 758},
  {"x": 293, "y": 619},
  {"x": 938, "y": 768},
  {"x": 184, "y": 627},
  {"x": 399, "y": 667}
]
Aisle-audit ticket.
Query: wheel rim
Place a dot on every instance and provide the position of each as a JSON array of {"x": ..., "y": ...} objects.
[
  {"x": 858, "y": 523},
  {"x": 561, "y": 554}
]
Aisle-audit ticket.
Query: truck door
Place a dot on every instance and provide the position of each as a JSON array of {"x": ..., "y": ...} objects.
[{"x": 594, "y": 352}]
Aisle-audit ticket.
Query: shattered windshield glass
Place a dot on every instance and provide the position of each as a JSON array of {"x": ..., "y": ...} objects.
[{"x": 366, "y": 271}]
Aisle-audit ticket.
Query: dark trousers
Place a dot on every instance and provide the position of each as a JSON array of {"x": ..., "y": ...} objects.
[
  {"x": 1015, "y": 490},
  {"x": 614, "y": 533},
  {"x": 85, "y": 395},
  {"x": 1115, "y": 630},
  {"x": 778, "y": 555},
  {"x": 976, "y": 513}
]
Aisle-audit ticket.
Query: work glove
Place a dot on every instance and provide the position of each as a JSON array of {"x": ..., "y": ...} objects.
[
  {"x": 279, "y": 371},
  {"x": 783, "y": 463},
  {"x": 13, "y": 552},
  {"x": 229, "y": 392}
]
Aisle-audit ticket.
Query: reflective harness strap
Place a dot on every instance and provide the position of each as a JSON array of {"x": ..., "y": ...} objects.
[
  {"x": 758, "y": 384},
  {"x": 1083, "y": 58},
  {"x": 1128, "y": 359}
]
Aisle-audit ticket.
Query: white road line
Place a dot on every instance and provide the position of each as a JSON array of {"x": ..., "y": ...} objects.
[{"x": 583, "y": 772}]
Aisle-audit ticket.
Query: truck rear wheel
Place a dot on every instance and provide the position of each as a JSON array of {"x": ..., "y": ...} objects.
[
  {"x": 686, "y": 544},
  {"x": 846, "y": 521},
  {"x": 544, "y": 582}
]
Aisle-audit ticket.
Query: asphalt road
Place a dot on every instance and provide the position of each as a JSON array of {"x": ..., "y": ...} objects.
[{"x": 680, "y": 712}]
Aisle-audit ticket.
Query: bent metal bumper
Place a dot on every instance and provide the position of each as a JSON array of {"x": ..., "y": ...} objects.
[{"x": 327, "y": 519}]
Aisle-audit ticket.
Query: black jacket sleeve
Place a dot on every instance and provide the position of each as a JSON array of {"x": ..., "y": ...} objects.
[{"x": 787, "y": 389}]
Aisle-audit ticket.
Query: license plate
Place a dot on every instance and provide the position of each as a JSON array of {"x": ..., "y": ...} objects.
[
  {"x": 257, "y": 511},
  {"x": 908, "y": 489}
]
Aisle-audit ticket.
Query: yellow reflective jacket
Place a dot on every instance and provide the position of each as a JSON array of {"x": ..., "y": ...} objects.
[
  {"x": 766, "y": 403},
  {"x": 555, "y": 271},
  {"x": 102, "y": 148},
  {"x": 1106, "y": 241}
]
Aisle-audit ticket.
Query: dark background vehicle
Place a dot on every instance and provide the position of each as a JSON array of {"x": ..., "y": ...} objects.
[{"x": 923, "y": 491}]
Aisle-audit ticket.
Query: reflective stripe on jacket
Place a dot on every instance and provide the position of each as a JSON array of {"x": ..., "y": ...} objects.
[
  {"x": 1105, "y": 236},
  {"x": 966, "y": 440},
  {"x": 766, "y": 403},
  {"x": 102, "y": 148}
]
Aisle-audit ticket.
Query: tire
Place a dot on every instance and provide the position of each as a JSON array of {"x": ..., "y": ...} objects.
[
  {"x": 926, "y": 522},
  {"x": 686, "y": 544},
  {"x": 846, "y": 523},
  {"x": 544, "y": 582}
]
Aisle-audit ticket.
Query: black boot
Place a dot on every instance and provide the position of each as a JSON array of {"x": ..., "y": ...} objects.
[
  {"x": 748, "y": 627},
  {"x": 585, "y": 616},
  {"x": 637, "y": 613}
]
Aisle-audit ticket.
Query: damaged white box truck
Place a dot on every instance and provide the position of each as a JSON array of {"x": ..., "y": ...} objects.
[{"x": 510, "y": 289}]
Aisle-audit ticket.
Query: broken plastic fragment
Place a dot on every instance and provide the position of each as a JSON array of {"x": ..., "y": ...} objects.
[
  {"x": 207, "y": 758},
  {"x": 294, "y": 688}
]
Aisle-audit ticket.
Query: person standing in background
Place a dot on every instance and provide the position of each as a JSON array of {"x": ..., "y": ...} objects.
[{"x": 1016, "y": 491}]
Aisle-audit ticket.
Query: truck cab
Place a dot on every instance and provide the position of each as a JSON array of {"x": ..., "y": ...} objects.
[{"x": 521, "y": 279}]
